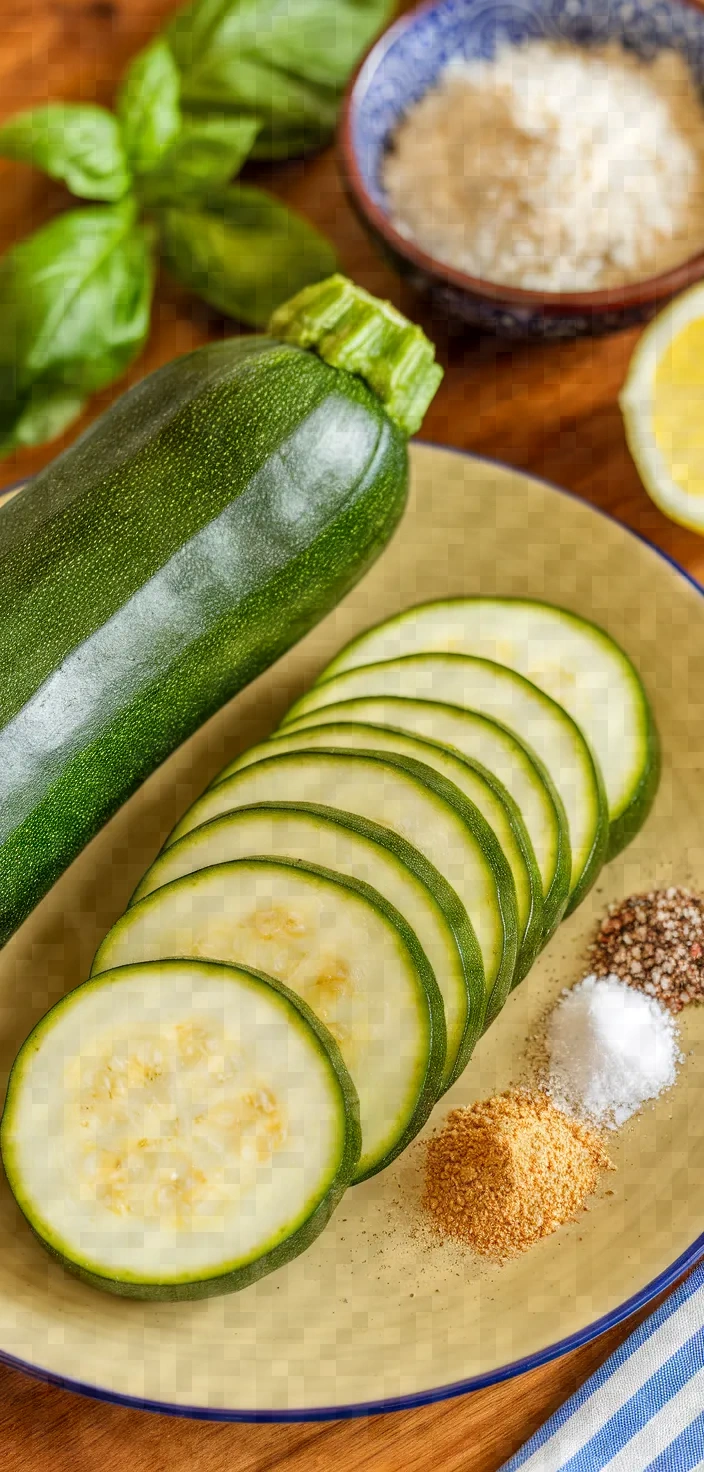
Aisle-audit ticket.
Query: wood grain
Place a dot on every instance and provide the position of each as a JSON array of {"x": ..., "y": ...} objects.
[
  {"x": 47, "y": 1430},
  {"x": 551, "y": 410}
]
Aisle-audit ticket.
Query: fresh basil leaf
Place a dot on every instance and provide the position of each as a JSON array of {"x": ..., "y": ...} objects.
[
  {"x": 46, "y": 412},
  {"x": 244, "y": 252},
  {"x": 148, "y": 106},
  {"x": 287, "y": 61},
  {"x": 72, "y": 141},
  {"x": 291, "y": 112},
  {"x": 74, "y": 311},
  {"x": 208, "y": 151}
]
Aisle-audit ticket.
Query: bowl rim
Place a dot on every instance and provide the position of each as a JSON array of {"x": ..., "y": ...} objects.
[
  {"x": 663, "y": 1282},
  {"x": 650, "y": 291}
]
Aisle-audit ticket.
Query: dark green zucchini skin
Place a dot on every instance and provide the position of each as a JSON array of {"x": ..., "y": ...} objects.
[{"x": 209, "y": 519}]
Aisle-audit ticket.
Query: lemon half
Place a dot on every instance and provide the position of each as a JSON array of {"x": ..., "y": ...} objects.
[{"x": 662, "y": 402}]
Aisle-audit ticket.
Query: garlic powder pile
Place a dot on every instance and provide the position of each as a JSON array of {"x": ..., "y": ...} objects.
[
  {"x": 610, "y": 1049},
  {"x": 508, "y": 1171},
  {"x": 554, "y": 168}
]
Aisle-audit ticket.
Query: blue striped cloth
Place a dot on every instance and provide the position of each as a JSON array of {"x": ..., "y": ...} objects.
[{"x": 643, "y": 1411}]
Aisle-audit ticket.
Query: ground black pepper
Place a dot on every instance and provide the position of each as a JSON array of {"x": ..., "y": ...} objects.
[{"x": 655, "y": 942}]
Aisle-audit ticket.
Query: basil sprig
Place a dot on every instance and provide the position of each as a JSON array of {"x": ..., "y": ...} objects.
[{"x": 230, "y": 79}]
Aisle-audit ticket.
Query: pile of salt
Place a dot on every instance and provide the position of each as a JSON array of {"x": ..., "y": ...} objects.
[{"x": 611, "y": 1048}]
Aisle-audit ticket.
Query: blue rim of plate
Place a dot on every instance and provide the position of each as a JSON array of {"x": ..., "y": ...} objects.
[{"x": 683, "y": 1264}]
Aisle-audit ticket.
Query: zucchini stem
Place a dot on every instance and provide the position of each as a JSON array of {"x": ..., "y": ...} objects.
[{"x": 353, "y": 330}]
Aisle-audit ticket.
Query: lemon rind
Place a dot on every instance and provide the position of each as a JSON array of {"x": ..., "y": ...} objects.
[{"x": 636, "y": 402}]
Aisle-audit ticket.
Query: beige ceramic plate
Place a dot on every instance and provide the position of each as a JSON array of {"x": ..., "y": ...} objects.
[{"x": 372, "y": 1317}]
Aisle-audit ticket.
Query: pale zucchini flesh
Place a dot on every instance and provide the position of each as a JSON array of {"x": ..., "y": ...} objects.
[
  {"x": 568, "y": 656},
  {"x": 178, "y": 1129},
  {"x": 411, "y": 800},
  {"x": 501, "y": 693},
  {"x": 349, "y": 846},
  {"x": 500, "y": 751},
  {"x": 478, "y": 785},
  {"x": 337, "y": 944}
]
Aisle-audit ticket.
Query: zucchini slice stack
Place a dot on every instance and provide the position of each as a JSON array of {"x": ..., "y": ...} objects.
[
  {"x": 349, "y": 905},
  {"x": 418, "y": 825},
  {"x": 463, "y": 771}
]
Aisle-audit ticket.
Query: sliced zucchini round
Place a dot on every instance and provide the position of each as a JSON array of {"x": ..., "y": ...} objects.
[
  {"x": 179, "y": 1129},
  {"x": 339, "y": 945},
  {"x": 478, "y": 785},
  {"x": 569, "y": 657},
  {"x": 350, "y": 846},
  {"x": 412, "y": 800},
  {"x": 501, "y": 693},
  {"x": 500, "y": 751}
]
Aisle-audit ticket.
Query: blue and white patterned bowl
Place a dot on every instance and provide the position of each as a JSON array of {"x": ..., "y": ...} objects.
[{"x": 408, "y": 59}]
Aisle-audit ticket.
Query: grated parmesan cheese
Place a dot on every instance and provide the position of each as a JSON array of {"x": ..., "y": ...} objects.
[{"x": 554, "y": 168}]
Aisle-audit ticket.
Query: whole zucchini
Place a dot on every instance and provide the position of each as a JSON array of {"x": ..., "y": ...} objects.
[{"x": 195, "y": 532}]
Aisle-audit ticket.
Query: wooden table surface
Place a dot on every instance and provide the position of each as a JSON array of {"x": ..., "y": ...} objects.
[{"x": 551, "y": 410}]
